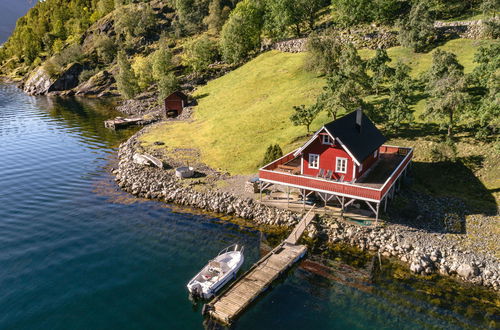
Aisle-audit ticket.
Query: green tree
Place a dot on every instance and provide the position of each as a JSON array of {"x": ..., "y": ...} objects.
[
  {"x": 417, "y": 30},
  {"x": 105, "y": 48},
  {"x": 397, "y": 109},
  {"x": 324, "y": 53},
  {"x": 143, "y": 71},
  {"x": 242, "y": 31},
  {"x": 166, "y": 86},
  {"x": 190, "y": 14},
  {"x": 126, "y": 80},
  {"x": 200, "y": 53},
  {"x": 447, "y": 88},
  {"x": 161, "y": 61},
  {"x": 304, "y": 115},
  {"x": 352, "y": 12},
  {"x": 216, "y": 16},
  {"x": 346, "y": 84},
  {"x": 282, "y": 15},
  {"x": 490, "y": 7},
  {"x": 273, "y": 152},
  {"x": 381, "y": 71},
  {"x": 134, "y": 21},
  {"x": 486, "y": 76}
]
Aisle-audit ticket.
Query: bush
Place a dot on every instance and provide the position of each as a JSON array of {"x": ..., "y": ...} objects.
[
  {"x": 105, "y": 48},
  {"x": 444, "y": 151},
  {"x": 71, "y": 54},
  {"x": 200, "y": 53},
  {"x": 273, "y": 152},
  {"x": 491, "y": 29},
  {"x": 86, "y": 75}
]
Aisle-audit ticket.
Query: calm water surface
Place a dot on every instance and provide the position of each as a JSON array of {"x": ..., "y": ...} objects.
[{"x": 77, "y": 254}]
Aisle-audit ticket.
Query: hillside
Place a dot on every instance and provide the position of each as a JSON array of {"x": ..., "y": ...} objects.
[{"x": 240, "y": 114}]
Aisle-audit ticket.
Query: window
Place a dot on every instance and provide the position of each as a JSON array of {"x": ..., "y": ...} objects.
[
  {"x": 327, "y": 139},
  {"x": 375, "y": 154},
  {"x": 313, "y": 161},
  {"x": 341, "y": 165}
]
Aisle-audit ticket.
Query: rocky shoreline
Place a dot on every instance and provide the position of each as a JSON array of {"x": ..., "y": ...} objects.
[{"x": 424, "y": 252}]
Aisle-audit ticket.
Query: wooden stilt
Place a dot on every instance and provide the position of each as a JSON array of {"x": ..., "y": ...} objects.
[
  {"x": 260, "y": 189},
  {"x": 304, "y": 199},
  {"x": 342, "y": 207},
  {"x": 287, "y": 197},
  {"x": 385, "y": 204},
  {"x": 376, "y": 217}
]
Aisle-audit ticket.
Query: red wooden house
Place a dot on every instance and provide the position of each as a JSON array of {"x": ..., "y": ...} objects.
[
  {"x": 175, "y": 103},
  {"x": 345, "y": 159}
]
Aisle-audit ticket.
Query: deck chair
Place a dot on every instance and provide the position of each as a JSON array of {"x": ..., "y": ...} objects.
[
  {"x": 328, "y": 174},
  {"x": 321, "y": 173},
  {"x": 341, "y": 178}
]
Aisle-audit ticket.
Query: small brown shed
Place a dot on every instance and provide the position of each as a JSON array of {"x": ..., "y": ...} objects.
[{"x": 175, "y": 103}]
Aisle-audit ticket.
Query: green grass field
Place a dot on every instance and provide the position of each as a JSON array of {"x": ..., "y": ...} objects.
[{"x": 240, "y": 114}]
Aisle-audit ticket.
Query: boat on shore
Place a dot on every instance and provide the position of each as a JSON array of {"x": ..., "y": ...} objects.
[{"x": 218, "y": 272}]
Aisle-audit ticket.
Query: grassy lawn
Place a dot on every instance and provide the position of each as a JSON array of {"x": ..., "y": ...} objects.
[
  {"x": 240, "y": 114},
  {"x": 243, "y": 112}
]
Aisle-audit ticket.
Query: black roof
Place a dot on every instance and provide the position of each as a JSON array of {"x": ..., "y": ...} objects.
[{"x": 360, "y": 142}]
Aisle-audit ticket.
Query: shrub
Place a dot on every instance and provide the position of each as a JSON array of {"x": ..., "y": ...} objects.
[
  {"x": 491, "y": 29},
  {"x": 87, "y": 74},
  {"x": 273, "y": 152},
  {"x": 105, "y": 48},
  {"x": 444, "y": 151}
]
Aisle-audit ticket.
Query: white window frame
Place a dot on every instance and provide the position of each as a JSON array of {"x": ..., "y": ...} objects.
[
  {"x": 327, "y": 139},
  {"x": 310, "y": 163},
  {"x": 375, "y": 154},
  {"x": 342, "y": 161}
]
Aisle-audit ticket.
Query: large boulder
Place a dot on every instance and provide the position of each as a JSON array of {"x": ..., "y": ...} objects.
[
  {"x": 38, "y": 82},
  {"x": 467, "y": 271},
  {"x": 101, "y": 84}
]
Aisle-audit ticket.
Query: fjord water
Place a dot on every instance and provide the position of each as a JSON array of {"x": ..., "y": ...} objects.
[{"x": 77, "y": 254}]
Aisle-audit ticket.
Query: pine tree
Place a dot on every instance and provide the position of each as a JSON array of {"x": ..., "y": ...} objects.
[{"x": 125, "y": 79}]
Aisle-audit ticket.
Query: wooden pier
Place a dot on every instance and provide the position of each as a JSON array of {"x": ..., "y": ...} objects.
[{"x": 227, "y": 306}]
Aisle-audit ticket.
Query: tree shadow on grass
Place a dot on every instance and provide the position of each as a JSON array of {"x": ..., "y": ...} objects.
[
  {"x": 416, "y": 130},
  {"x": 441, "y": 195}
]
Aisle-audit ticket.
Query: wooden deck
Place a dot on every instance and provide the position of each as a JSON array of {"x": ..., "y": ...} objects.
[{"x": 226, "y": 307}]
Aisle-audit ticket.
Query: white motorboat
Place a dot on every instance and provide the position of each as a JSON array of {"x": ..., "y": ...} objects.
[{"x": 217, "y": 272}]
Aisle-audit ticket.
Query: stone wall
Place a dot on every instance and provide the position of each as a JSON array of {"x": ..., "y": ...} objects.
[
  {"x": 424, "y": 252},
  {"x": 462, "y": 29},
  {"x": 380, "y": 37}
]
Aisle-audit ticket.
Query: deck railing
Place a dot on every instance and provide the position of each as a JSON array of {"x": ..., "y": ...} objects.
[{"x": 267, "y": 173}]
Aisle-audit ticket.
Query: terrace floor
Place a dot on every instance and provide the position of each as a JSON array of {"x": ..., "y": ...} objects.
[{"x": 375, "y": 178}]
